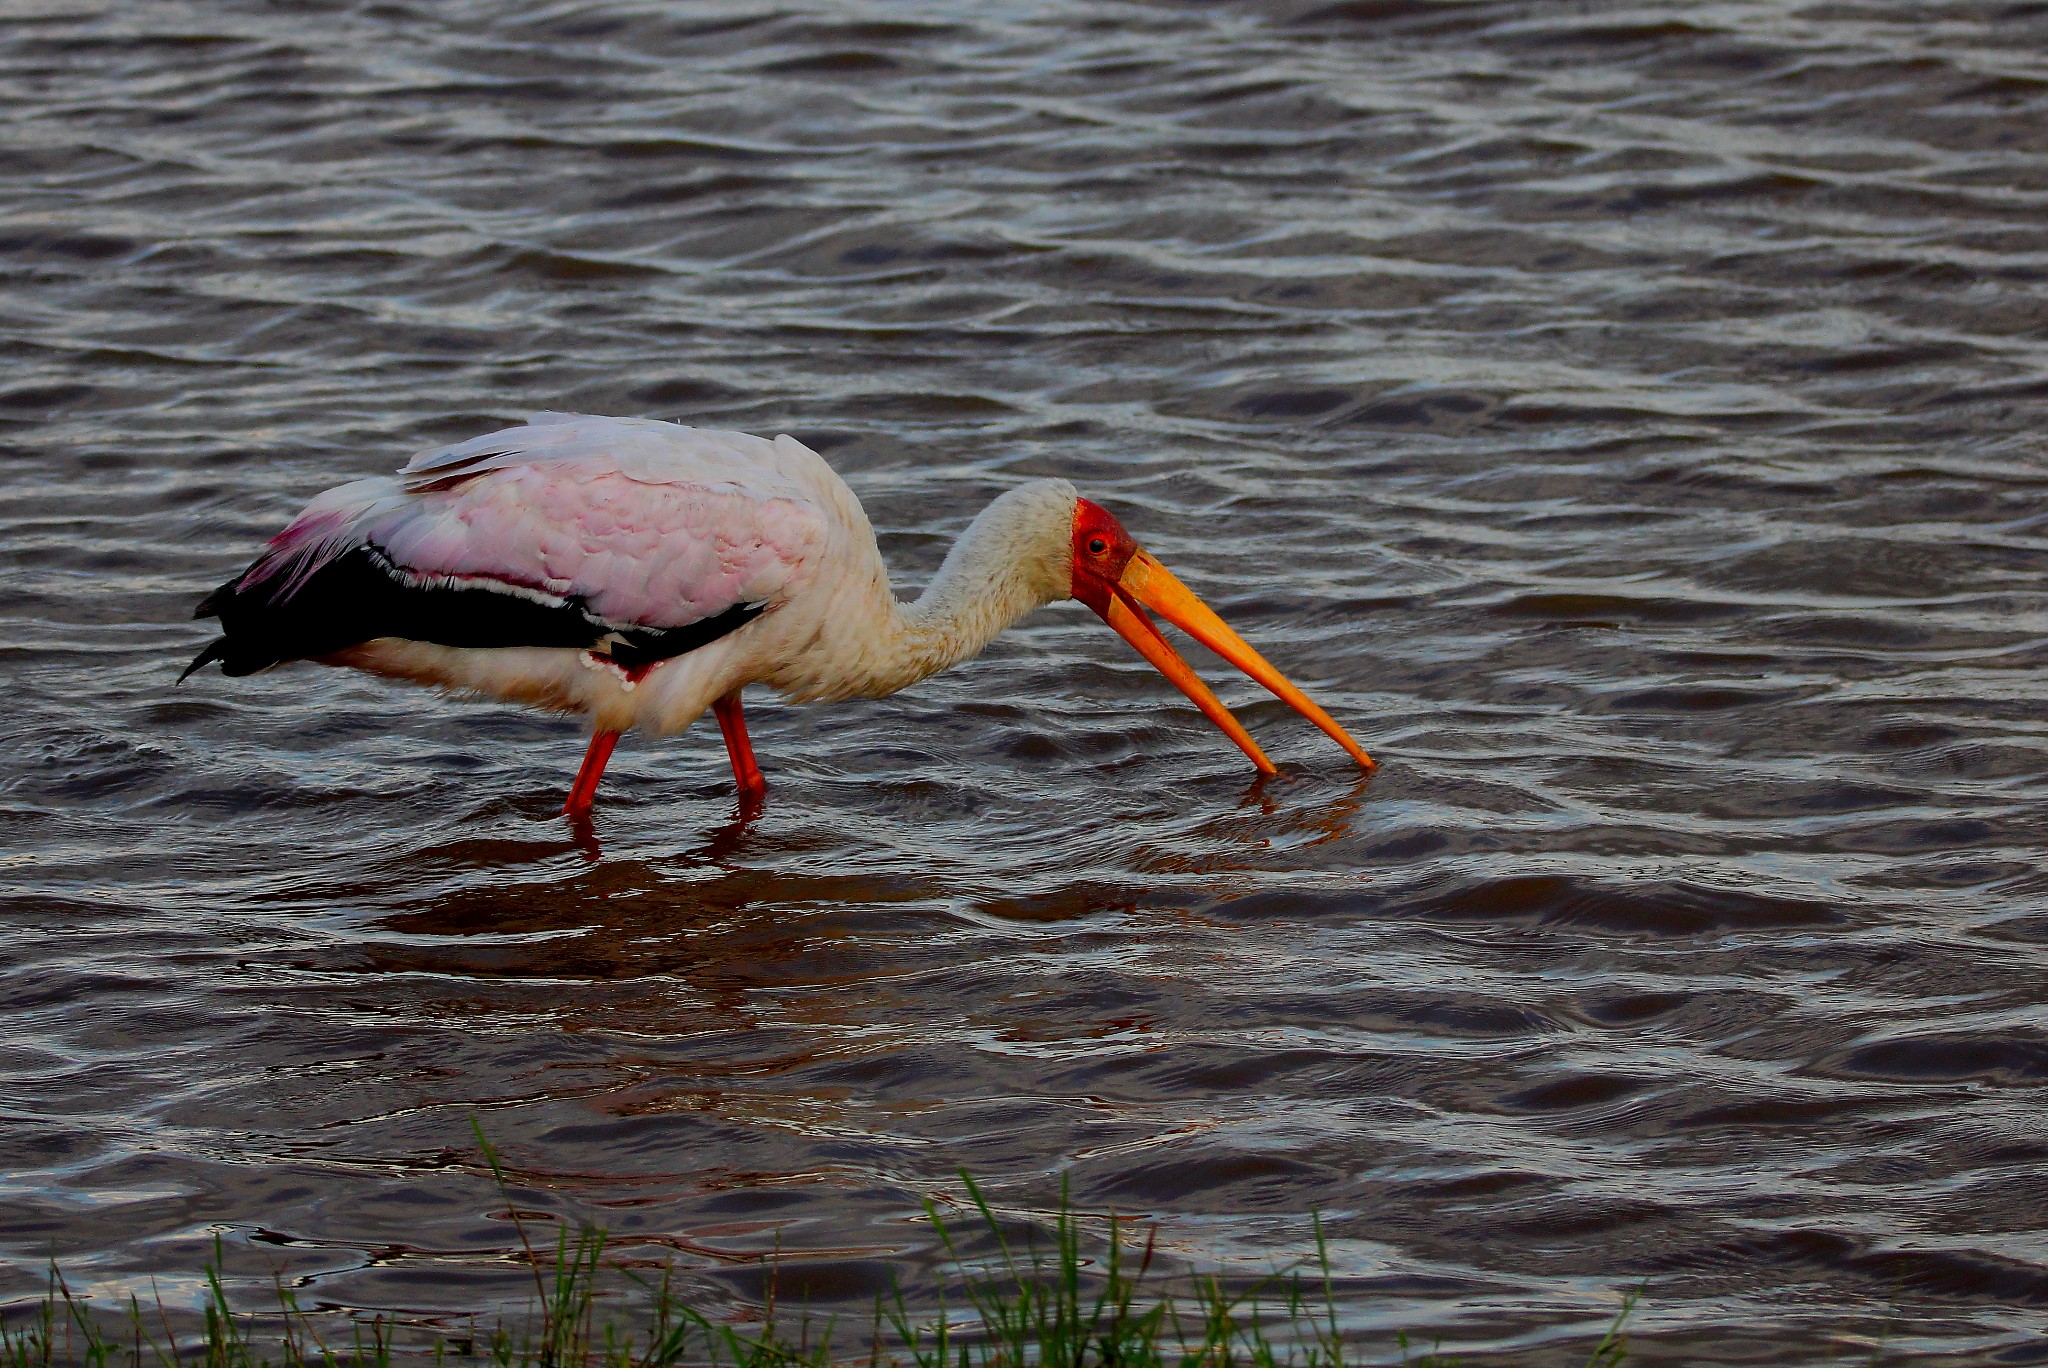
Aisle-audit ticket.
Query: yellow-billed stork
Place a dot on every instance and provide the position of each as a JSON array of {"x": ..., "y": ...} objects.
[{"x": 639, "y": 572}]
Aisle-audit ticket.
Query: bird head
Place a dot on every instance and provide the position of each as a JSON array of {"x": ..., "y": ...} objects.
[{"x": 1120, "y": 580}]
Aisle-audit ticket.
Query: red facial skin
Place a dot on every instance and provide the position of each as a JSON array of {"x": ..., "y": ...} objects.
[
  {"x": 1126, "y": 586},
  {"x": 1101, "y": 551}
]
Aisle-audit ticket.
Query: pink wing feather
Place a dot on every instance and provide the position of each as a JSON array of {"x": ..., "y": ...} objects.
[{"x": 649, "y": 524}]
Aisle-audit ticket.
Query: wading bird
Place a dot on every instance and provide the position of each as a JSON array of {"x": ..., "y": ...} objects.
[{"x": 640, "y": 572}]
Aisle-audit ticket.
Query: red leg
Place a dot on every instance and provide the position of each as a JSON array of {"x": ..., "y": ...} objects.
[
  {"x": 584, "y": 791},
  {"x": 733, "y": 725}
]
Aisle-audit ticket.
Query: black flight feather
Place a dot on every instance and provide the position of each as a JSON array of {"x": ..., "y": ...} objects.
[{"x": 361, "y": 595}]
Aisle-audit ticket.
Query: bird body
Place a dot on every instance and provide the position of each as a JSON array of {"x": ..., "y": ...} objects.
[{"x": 640, "y": 572}]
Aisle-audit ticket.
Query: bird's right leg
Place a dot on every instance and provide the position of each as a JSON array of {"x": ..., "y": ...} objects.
[
  {"x": 584, "y": 791},
  {"x": 733, "y": 726}
]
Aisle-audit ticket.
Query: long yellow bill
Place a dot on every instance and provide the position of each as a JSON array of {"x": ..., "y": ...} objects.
[{"x": 1148, "y": 583}]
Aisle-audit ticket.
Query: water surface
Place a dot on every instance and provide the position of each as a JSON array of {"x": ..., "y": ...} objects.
[{"x": 1626, "y": 419}]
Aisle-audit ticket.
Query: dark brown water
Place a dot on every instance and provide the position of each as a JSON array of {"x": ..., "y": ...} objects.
[{"x": 1628, "y": 420}]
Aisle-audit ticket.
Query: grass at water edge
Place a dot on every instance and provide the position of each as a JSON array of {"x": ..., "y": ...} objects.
[{"x": 1035, "y": 1309}]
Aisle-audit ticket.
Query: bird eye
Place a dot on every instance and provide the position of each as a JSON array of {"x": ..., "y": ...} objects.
[{"x": 1096, "y": 546}]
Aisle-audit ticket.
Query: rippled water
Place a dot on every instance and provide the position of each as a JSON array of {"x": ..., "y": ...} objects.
[{"x": 1628, "y": 420}]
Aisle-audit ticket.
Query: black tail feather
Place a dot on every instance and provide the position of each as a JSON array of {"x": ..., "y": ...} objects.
[{"x": 216, "y": 649}]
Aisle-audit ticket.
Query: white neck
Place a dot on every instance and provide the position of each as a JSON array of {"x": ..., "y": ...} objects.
[{"x": 1014, "y": 558}]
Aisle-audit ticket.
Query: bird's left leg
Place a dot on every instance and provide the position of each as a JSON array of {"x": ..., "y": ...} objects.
[
  {"x": 584, "y": 791},
  {"x": 733, "y": 726}
]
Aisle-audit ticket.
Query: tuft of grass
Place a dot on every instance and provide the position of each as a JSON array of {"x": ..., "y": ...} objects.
[{"x": 1072, "y": 1302}]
